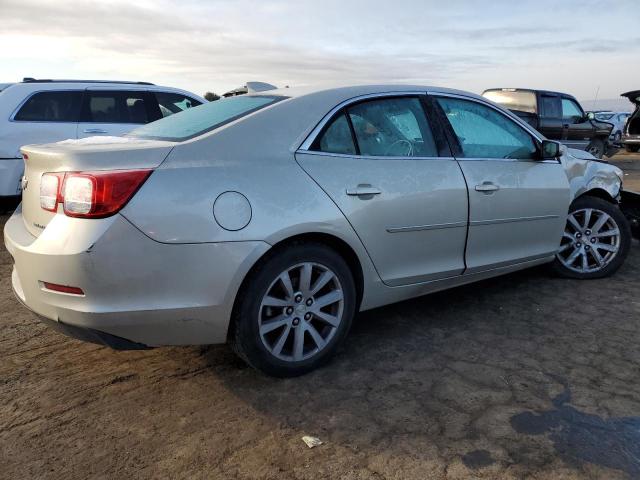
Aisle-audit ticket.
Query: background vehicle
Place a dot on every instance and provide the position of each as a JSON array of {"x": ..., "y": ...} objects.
[
  {"x": 617, "y": 119},
  {"x": 558, "y": 116},
  {"x": 43, "y": 111},
  {"x": 343, "y": 200},
  {"x": 631, "y": 134}
]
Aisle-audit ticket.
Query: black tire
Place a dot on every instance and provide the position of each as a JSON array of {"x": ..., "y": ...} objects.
[
  {"x": 621, "y": 222},
  {"x": 596, "y": 148},
  {"x": 245, "y": 336},
  {"x": 632, "y": 148}
]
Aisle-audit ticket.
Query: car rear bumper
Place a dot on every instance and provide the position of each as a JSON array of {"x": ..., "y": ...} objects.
[
  {"x": 136, "y": 291},
  {"x": 11, "y": 170},
  {"x": 631, "y": 140}
]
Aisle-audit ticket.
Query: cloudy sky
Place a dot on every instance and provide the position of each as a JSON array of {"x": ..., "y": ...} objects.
[{"x": 573, "y": 46}]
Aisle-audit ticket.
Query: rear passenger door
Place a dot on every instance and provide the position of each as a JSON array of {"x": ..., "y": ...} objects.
[
  {"x": 392, "y": 176},
  {"x": 115, "y": 112},
  {"x": 551, "y": 124}
]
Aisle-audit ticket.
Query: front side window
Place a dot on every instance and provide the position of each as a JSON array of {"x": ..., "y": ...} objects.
[
  {"x": 485, "y": 133},
  {"x": 570, "y": 110},
  {"x": 208, "y": 116},
  {"x": 51, "y": 107},
  {"x": 392, "y": 127},
  {"x": 116, "y": 107},
  {"x": 171, "y": 103}
]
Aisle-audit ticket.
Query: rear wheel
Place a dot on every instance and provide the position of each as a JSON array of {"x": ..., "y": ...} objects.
[
  {"x": 596, "y": 148},
  {"x": 632, "y": 148},
  {"x": 595, "y": 242},
  {"x": 295, "y": 310}
]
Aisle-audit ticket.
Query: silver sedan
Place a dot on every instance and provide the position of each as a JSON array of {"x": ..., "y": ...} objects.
[{"x": 268, "y": 220}]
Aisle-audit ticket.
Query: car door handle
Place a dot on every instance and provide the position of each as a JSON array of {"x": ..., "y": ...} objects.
[
  {"x": 487, "y": 187},
  {"x": 94, "y": 130},
  {"x": 363, "y": 190}
]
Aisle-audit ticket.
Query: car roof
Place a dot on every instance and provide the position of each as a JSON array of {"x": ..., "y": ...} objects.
[{"x": 532, "y": 90}]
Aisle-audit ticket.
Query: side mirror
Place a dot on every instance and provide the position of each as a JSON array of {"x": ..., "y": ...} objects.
[
  {"x": 591, "y": 115},
  {"x": 550, "y": 150}
]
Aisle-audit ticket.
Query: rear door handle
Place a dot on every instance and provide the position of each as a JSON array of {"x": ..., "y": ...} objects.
[
  {"x": 94, "y": 130},
  {"x": 487, "y": 187},
  {"x": 363, "y": 190}
]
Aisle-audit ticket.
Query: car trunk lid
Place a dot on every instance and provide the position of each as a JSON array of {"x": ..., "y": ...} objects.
[{"x": 88, "y": 154}]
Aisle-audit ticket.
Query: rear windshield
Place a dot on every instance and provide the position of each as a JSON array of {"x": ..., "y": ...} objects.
[
  {"x": 520, "y": 100},
  {"x": 204, "y": 118}
]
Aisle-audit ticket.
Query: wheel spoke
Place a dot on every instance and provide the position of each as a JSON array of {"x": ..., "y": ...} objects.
[
  {"x": 325, "y": 278},
  {"x": 564, "y": 247},
  {"x": 597, "y": 257},
  {"x": 325, "y": 317},
  {"x": 573, "y": 256},
  {"x": 587, "y": 218},
  {"x": 604, "y": 246},
  {"x": 585, "y": 261},
  {"x": 315, "y": 335},
  {"x": 574, "y": 223},
  {"x": 331, "y": 297},
  {"x": 607, "y": 233},
  {"x": 271, "y": 325},
  {"x": 567, "y": 235},
  {"x": 277, "y": 348},
  {"x": 286, "y": 283},
  {"x": 298, "y": 343},
  {"x": 600, "y": 222},
  {"x": 270, "y": 301},
  {"x": 305, "y": 278}
]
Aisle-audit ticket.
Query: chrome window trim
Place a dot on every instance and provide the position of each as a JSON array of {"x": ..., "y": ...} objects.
[
  {"x": 306, "y": 144},
  {"x": 527, "y": 128},
  {"x": 369, "y": 157}
]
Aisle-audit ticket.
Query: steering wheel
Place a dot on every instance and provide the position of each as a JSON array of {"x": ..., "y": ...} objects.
[{"x": 400, "y": 142}]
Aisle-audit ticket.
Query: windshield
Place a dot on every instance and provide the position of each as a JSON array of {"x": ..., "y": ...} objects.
[
  {"x": 521, "y": 100},
  {"x": 204, "y": 118}
]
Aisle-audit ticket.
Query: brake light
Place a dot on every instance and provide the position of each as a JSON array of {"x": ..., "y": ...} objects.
[
  {"x": 96, "y": 194},
  {"x": 100, "y": 194},
  {"x": 50, "y": 187}
]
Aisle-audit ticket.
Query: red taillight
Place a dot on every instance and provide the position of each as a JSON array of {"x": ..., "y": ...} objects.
[
  {"x": 62, "y": 288},
  {"x": 97, "y": 194}
]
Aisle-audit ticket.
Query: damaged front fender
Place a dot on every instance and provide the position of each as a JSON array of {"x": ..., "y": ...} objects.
[{"x": 585, "y": 173}]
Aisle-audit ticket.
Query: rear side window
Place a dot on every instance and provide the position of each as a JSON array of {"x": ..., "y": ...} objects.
[
  {"x": 389, "y": 127},
  {"x": 199, "y": 120},
  {"x": 51, "y": 107},
  {"x": 485, "y": 133},
  {"x": 171, "y": 103},
  {"x": 551, "y": 106},
  {"x": 336, "y": 138},
  {"x": 117, "y": 107}
]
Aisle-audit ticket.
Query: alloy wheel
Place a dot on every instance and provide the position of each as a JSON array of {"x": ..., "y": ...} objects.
[
  {"x": 590, "y": 242},
  {"x": 301, "y": 312}
]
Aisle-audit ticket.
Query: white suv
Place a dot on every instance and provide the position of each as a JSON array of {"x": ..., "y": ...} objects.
[{"x": 44, "y": 111}]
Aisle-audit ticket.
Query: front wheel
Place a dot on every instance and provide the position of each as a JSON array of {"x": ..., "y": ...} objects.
[
  {"x": 595, "y": 241},
  {"x": 295, "y": 310}
]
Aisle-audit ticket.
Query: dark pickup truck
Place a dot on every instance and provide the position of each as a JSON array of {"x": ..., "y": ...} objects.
[{"x": 558, "y": 116}]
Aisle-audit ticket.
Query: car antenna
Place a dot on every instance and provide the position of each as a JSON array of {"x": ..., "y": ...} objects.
[{"x": 596, "y": 99}]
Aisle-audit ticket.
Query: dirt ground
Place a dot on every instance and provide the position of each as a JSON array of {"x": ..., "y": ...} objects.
[{"x": 520, "y": 376}]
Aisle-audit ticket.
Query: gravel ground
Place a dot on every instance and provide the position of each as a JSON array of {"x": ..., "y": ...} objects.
[{"x": 520, "y": 376}]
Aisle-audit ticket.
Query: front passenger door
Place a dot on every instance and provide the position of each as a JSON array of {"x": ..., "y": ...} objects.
[{"x": 518, "y": 204}]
